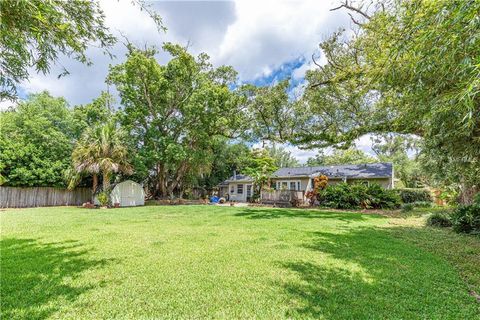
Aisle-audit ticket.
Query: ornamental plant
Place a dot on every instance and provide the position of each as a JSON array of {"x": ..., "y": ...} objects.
[{"x": 319, "y": 184}]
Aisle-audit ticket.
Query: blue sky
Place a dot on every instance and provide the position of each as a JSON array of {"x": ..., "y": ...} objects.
[{"x": 265, "y": 41}]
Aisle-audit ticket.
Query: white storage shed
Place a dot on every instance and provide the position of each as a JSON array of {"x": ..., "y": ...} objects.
[{"x": 128, "y": 193}]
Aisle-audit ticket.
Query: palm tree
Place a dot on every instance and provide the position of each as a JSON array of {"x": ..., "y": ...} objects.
[{"x": 101, "y": 150}]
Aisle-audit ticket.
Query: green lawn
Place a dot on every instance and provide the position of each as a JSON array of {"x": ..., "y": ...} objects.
[{"x": 222, "y": 262}]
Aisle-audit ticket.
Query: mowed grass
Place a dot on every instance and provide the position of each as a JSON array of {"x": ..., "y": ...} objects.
[{"x": 222, "y": 262}]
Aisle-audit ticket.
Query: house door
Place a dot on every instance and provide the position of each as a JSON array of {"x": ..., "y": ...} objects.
[{"x": 249, "y": 192}]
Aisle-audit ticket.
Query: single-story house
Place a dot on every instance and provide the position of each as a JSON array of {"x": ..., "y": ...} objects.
[{"x": 239, "y": 187}]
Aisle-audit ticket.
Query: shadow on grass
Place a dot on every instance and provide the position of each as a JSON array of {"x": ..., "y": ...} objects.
[
  {"x": 368, "y": 274},
  {"x": 303, "y": 213},
  {"x": 35, "y": 276}
]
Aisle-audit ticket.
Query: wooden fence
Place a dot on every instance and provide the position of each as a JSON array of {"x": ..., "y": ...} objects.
[{"x": 13, "y": 197}]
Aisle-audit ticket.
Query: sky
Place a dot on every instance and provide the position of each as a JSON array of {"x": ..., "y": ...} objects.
[{"x": 264, "y": 40}]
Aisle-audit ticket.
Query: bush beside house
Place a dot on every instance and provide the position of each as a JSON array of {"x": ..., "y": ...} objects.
[{"x": 358, "y": 196}]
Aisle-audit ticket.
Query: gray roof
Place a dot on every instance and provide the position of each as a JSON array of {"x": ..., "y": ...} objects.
[
  {"x": 359, "y": 171},
  {"x": 237, "y": 177},
  {"x": 351, "y": 171}
]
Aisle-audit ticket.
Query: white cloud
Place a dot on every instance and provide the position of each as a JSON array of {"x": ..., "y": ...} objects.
[
  {"x": 4, "y": 105},
  {"x": 269, "y": 33},
  {"x": 256, "y": 37}
]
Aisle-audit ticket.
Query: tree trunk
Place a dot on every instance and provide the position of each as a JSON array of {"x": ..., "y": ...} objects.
[
  {"x": 94, "y": 186},
  {"x": 179, "y": 176},
  {"x": 106, "y": 181},
  {"x": 161, "y": 183},
  {"x": 467, "y": 193}
]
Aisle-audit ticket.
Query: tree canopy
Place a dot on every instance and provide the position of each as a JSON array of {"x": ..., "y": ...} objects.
[
  {"x": 174, "y": 112},
  {"x": 283, "y": 158},
  {"x": 35, "y": 33},
  {"x": 102, "y": 150},
  {"x": 410, "y": 67},
  {"x": 260, "y": 167},
  {"x": 339, "y": 156},
  {"x": 36, "y": 141}
]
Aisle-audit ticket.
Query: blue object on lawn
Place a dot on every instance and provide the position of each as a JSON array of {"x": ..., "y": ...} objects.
[{"x": 214, "y": 199}]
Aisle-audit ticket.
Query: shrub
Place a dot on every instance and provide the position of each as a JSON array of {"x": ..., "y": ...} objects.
[
  {"x": 422, "y": 204},
  {"x": 466, "y": 219},
  {"x": 439, "y": 219},
  {"x": 356, "y": 196},
  {"x": 407, "y": 207},
  {"x": 476, "y": 198},
  {"x": 103, "y": 198},
  {"x": 410, "y": 195}
]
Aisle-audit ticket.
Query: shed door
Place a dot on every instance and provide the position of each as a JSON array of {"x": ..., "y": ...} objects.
[{"x": 128, "y": 196}]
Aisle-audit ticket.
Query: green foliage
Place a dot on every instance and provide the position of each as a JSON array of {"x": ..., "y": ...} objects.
[
  {"x": 411, "y": 68},
  {"x": 34, "y": 33},
  {"x": 410, "y": 195},
  {"x": 466, "y": 219},
  {"x": 356, "y": 196},
  {"x": 339, "y": 156},
  {"x": 98, "y": 112},
  {"x": 102, "y": 150},
  {"x": 36, "y": 142},
  {"x": 260, "y": 167},
  {"x": 394, "y": 148},
  {"x": 476, "y": 198},
  {"x": 268, "y": 111},
  {"x": 314, "y": 258},
  {"x": 423, "y": 204},
  {"x": 174, "y": 114},
  {"x": 104, "y": 198},
  {"x": 227, "y": 157},
  {"x": 408, "y": 207},
  {"x": 439, "y": 219},
  {"x": 283, "y": 158}
]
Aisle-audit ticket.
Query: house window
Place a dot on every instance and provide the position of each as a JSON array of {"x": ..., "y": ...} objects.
[
  {"x": 240, "y": 188},
  {"x": 232, "y": 189},
  {"x": 288, "y": 185}
]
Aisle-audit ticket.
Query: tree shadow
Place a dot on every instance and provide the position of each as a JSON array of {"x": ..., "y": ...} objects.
[
  {"x": 367, "y": 274},
  {"x": 251, "y": 213},
  {"x": 37, "y": 277}
]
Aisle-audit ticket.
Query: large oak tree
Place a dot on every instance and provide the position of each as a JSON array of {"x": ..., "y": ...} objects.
[{"x": 174, "y": 112}]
